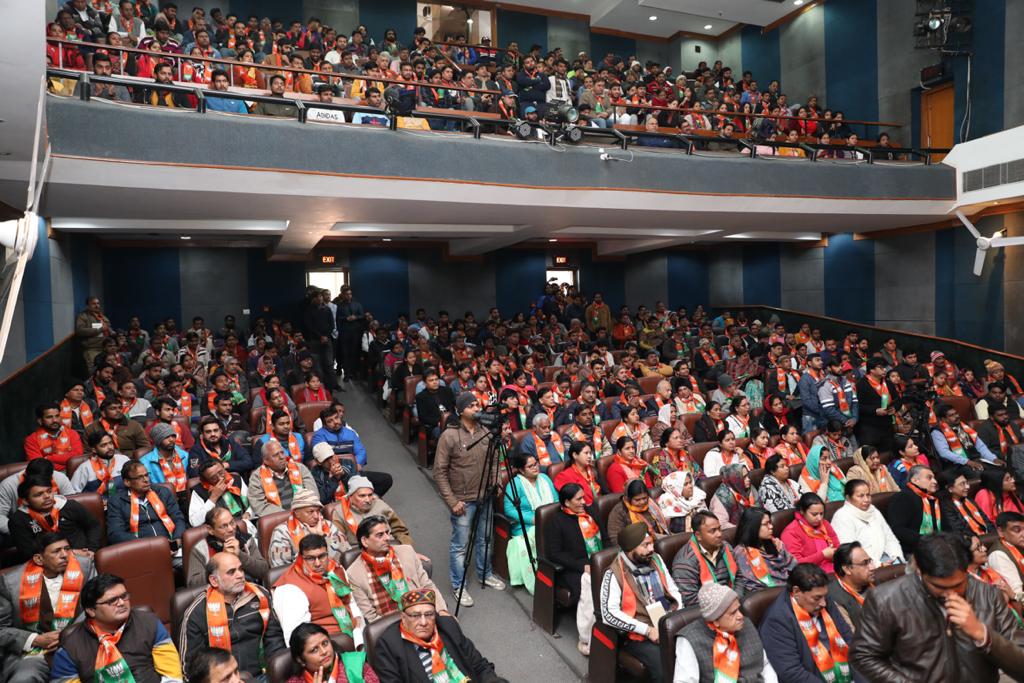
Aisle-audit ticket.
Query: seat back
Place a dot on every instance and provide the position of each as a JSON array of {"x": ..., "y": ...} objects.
[
  {"x": 179, "y": 603},
  {"x": 310, "y": 412},
  {"x": 541, "y": 516},
  {"x": 668, "y": 628},
  {"x": 698, "y": 450},
  {"x": 373, "y": 632},
  {"x": 551, "y": 371},
  {"x": 709, "y": 485},
  {"x": 755, "y": 604},
  {"x": 648, "y": 385},
  {"x": 73, "y": 464},
  {"x": 93, "y": 503},
  {"x": 189, "y": 540},
  {"x": 297, "y": 393},
  {"x": 275, "y": 573},
  {"x": 756, "y": 476},
  {"x": 145, "y": 566},
  {"x": 690, "y": 421},
  {"x": 668, "y": 546},
  {"x": 964, "y": 406},
  {"x": 350, "y": 556},
  {"x": 254, "y": 419},
  {"x": 265, "y": 527},
  {"x": 832, "y": 507},
  {"x": 410, "y": 388},
  {"x": 782, "y": 519},
  {"x": 881, "y": 501},
  {"x": 608, "y": 426},
  {"x": 554, "y": 469},
  {"x": 890, "y": 572},
  {"x": 605, "y": 504},
  {"x": 603, "y": 463},
  {"x": 7, "y": 469},
  {"x": 280, "y": 667}
]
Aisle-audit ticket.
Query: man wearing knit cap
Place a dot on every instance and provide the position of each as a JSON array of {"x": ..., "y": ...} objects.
[
  {"x": 636, "y": 593},
  {"x": 166, "y": 462},
  {"x": 363, "y": 503},
  {"x": 306, "y": 518},
  {"x": 722, "y": 645},
  {"x": 330, "y": 475},
  {"x": 459, "y": 473},
  {"x": 425, "y": 645}
]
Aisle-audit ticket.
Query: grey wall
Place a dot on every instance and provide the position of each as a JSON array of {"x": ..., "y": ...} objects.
[
  {"x": 649, "y": 50},
  {"x": 572, "y": 35},
  {"x": 905, "y": 283},
  {"x": 730, "y": 51},
  {"x": 647, "y": 278},
  {"x": 61, "y": 293},
  {"x": 726, "y": 274},
  {"x": 343, "y": 14},
  {"x": 1014, "y": 96},
  {"x": 456, "y": 287},
  {"x": 802, "y": 56},
  {"x": 684, "y": 57},
  {"x": 899, "y": 65},
  {"x": 1013, "y": 285},
  {"x": 204, "y": 289},
  {"x": 803, "y": 279}
]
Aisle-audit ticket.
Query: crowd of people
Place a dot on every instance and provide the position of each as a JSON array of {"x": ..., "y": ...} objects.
[
  {"x": 513, "y": 83},
  {"x": 745, "y": 421}
]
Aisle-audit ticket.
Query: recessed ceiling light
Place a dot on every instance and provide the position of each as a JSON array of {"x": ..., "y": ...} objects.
[
  {"x": 653, "y": 17},
  {"x": 386, "y": 239},
  {"x": 185, "y": 237},
  {"x": 552, "y": 239},
  {"x": 798, "y": 2},
  {"x": 707, "y": 27}
]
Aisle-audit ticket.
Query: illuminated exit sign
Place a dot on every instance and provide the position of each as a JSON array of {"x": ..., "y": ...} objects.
[{"x": 327, "y": 260}]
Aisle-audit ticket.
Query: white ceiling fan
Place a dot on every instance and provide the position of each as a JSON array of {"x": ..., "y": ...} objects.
[{"x": 985, "y": 243}]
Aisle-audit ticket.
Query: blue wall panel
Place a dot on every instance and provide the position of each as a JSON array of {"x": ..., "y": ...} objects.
[
  {"x": 968, "y": 307},
  {"x": 688, "y": 279},
  {"x": 37, "y": 296},
  {"x": 275, "y": 287},
  {"x": 80, "y": 281},
  {"x": 142, "y": 282},
  {"x": 524, "y": 28},
  {"x": 850, "y": 279},
  {"x": 601, "y": 44},
  {"x": 760, "y": 55},
  {"x": 762, "y": 274},
  {"x": 851, "y": 57},
  {"x": 380, "y": 281},
  {"x": 607, "y": 277},
  {"x": 519, "y": 276},
  {"x": 988, "y": 77},
  {"x": 379, "y": 15}
]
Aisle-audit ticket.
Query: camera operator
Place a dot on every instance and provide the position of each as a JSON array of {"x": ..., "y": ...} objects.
[{"x": 461, "y": 480}]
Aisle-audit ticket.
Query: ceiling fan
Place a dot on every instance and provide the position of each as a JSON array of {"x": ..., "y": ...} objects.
[{"x": 985, "y": 243}]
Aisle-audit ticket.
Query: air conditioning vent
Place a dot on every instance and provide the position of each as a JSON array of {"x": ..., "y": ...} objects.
[{"x": 994, "y": 176}]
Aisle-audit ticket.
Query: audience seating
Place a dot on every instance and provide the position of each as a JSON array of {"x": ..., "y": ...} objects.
[
  {"x": 668, "y": 630},
  {"x": 668, "y": 546},
  {"x": 755, "y": 604},
  {"x": 183, "y": 597},
  {"x": 547, "y": 598},
  {"x": 893, "y": 571},
  {"x": 280, "y": 667},
  {"x": 96, "y": 506},
  {"x": 310, "y": 413},
  {"x": 409, "y": 421},
  {"x": 605, "y": 655},
  {"x": 349, "y": 556},
  {"x": 373, "y": 632},
  {"x": 556, "y": 467},
  {"x": 145, "y": 566},
  {"x": 709, "y": 485},
  {"x": 603, "y": 463},
  {"x": 10, "y": 468},
  {"x": 603, "y": 507},
  {"x": 648, "y": 385},
  {"x": 72, "y": 465},
  {"x": 690, "y": 421},
  {"x": 265, "y": 528}
]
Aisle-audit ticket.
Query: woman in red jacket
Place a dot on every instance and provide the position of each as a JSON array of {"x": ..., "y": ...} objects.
[
  {"x": 581, "y": 471},
  {"x": 809, "y": 537},
  {"x": 628, "y": 465}
]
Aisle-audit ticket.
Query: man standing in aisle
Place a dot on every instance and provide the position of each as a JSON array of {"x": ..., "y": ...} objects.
[
  {"x": 458, "y": 471},
  {"x": 350, "y": 330}
]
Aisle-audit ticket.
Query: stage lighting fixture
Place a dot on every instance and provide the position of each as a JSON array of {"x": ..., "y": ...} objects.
[
  {"x": 562, "y": 112},
  {"x": 573, "y": 134},
  {"x": 521, "y": 129}
]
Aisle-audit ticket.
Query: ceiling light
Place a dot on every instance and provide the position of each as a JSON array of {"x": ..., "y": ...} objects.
[
  {"x": 798, "y": 2},
  {"x": 707, "y": 27},
  {"x": 653, "y": 17},
  {"x": 552, "y": 239},
  {"x": 386, "y": 239},
  {"x": 185, "y": 237},
  {"x": 469, "y": 21}
]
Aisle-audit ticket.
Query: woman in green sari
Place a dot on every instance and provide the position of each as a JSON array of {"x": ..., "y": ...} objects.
[{"x": 533, "y": 489}]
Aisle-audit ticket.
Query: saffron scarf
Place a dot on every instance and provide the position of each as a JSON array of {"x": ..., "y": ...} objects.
[
  {"x": 597, "y": 440},
  {"x": 110, "y": 429},
  {"x": 174, "y": 472},
  {"x": 841, "y": 400},
  {"x": 831, "y": 659},
  {"x": 1005, "y": 437},
  {"x": 389, "y": 572},
  {"x": 707, "y": 571},
  {"x": 760, "y": 568},
  {"x": 882, "y": 389},
  {"x": 856, "y": 596},
  {"x": 104, "y": 472},
  {"x": 233, "y": 499},
  {"x": 794, "y": 456},
  {"x": 628, "y": 602},
  {"x": 442, "y": 667},
  {"x": 48, "y": 522},
  {"x": 154, "y": 500},
  {"x": 590, "y": 478},
  {"x": 339, "y": 593},
  {"x": 818, "y": 532},
  {"x": 929, "y": 523},
  {"x": 67, "y": 601},
  {"x": 953, "y": 439},
  {"x": 215, "y": 454},
  {"x": 346, "y": 509},
  {"x": 588, "y": 527},
  {"x": 298, "y": 531},
  {"x": 637, "y": 467},
  {"x": 972, "y": 515},
  {"x": 67, "y": 412},
  {"x": 543, "y": 457},
  {"x": 217, "y": 615},
  {"x": 636, "y": 514},
  {"x": 59, "y": 445},
  {"x": 270, "y": 487},
  {"x": 110, "y": 666},
  {"x": 725, "y": 656}
]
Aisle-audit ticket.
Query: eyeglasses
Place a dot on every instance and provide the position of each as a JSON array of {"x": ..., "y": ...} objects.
[
  {"x": 422, "y": 616},
  {"x": 862, "y": 563},
  {"x": 123, "y": 597},
  {"x": 314, "y": 558}
]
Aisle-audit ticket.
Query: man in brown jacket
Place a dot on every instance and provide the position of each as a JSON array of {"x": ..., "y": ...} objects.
[
  {"x": 459, "y": 473},
  {"x": 385, "y": 570}
]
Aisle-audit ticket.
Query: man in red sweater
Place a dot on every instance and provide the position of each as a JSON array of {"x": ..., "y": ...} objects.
[{"x": 52, "y": 440}]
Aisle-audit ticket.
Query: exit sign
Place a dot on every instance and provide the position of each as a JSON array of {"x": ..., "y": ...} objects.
[
  {"x": 561, "y": 260},
  {"x": 327, "y": 260}
]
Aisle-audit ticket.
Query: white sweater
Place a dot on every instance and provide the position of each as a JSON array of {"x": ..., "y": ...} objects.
[{"x": 870, "y": 529}]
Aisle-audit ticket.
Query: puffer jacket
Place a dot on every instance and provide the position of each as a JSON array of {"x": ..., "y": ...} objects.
[
  {"x": 459, "y": 463},
  {"x": 902, "y": 637}
]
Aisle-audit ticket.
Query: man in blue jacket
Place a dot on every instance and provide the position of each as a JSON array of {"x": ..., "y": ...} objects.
[
  {"x": 157, "y": 513},
  {"x": 348, "y": 446},
  {"x": 533, "y": 86},
  {"x": 814, "y": 375},
  {"x": 804, "y": 617}
]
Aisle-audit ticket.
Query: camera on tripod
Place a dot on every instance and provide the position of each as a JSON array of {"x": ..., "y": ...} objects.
[{"x": 490, "y": 419}]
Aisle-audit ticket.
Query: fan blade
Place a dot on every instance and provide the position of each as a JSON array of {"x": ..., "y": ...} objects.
[
  {"x": 979, "y": 262},
  {"x": 1007, "y": 241},
  {"x": 968, "y": 224}
]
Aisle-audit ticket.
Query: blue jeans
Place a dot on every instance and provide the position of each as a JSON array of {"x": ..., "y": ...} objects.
[
  {"x": 810, "y": 423},
  {"x": 460, "y": 539}
]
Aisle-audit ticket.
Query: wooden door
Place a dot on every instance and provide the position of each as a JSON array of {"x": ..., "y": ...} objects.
[{"x": 937, "y": 118}]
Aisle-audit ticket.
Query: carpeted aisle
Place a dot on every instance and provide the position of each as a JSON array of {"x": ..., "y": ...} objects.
[{"x": 499, "y": 623}]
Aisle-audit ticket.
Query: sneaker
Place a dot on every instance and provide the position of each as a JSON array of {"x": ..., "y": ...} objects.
[
  {"x": 584, "y": 648},
  {"x": 494, "y": 582},
  {"x": 466, "y": 600}
]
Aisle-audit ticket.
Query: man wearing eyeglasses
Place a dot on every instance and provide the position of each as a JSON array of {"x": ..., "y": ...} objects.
[
  {"x": 115, "y": 642},
  {"x": 854, "y": 576},
  {"x": 141, "y": 510},
  {"x": 424, "y": 642}
]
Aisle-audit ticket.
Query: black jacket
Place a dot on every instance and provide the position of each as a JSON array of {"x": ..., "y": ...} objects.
[
  {"x": 429, "y": 403},
  {"x": 81, "y": 529},
  {"x": 989, "y": 434},
  {"x": 904, "y": 514},
  {"x": 396, "y": 660}
]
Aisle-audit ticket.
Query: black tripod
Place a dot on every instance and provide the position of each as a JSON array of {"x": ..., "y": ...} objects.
[{"x": 489, "y": 487}]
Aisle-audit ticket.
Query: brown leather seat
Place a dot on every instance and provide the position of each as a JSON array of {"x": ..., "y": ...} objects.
[
  {"x": 145, "y": 566},
  {"x": 648, "y": 385},
  {"x": 297, "y": 393},
  {"x": 189, "y": 540},
  {"x": 603, "y": 463},
  {"x": 782, "y": 519},
  {"x": 844, "y": 464},
  {"x": 280, "y": 667},
  {"x": 893, "y": 571},
  {"x": 881, "y": 501},
  {"x": 809, "y": 437},
  {"x": 254, "y": 419},
  {"x": 7, "y": 469},
  {"x": 604, "y": 506},
  {"x": 698, "y": 450},
  {"x": 547, "y": 597},
  {"x": 668, "y": 629},
  {"x": 265, "y": 527},
  {"x": 710, "y": 485},
  {"x": 555, "y": 468},
  {"x": 605, "y": 655},
  {"x": 668, "y": 546},
  {"x": 73, "y": 464},
  {"x": 608, "y": 426},
  {"x": 964, "y": 406},
  {"x": 93, "y": 503},
  {"x": 273, "y": 575},
  {"x": 690, "y": 421},
  {"x": 373, "y": 632},
  {"x": 831, "y": 508},
  {"x": 649, "y": 454},
  {"x": 179, "y": 603},
  {"x": 756, "y": 476},
  {"x": 349, "y": 556},
  {"x": 757, "y": 603},
  {"x": 310, "y": 413},
  {"x": 551, "y": 371},
  {"x": 409, "y": 421}
]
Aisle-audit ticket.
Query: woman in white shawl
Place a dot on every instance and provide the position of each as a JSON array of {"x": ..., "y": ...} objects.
[
  {"x": 681, "y": 498},
  {"x": 668, "y": 418},
  {"x": 859, "y": 520}
]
